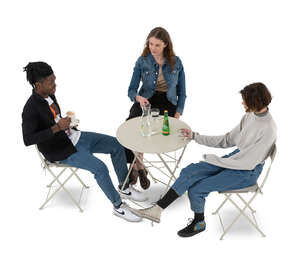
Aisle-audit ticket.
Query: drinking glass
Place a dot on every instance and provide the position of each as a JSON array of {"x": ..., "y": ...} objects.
[{"x": 155, "y": 115}]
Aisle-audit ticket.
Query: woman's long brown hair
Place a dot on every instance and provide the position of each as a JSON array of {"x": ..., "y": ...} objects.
[{"x": 163, "y": 35}]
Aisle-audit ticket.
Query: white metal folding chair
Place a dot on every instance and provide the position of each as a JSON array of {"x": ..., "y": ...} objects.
[
  {"x": 47, "y": 166},
  {"x": 252, "y": 189}
]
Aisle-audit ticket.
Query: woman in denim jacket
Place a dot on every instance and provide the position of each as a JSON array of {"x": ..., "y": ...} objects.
[{"x": 163, "y": 86}]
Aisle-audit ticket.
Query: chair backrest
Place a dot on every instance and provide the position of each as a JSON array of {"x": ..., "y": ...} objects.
[
  {"x": 272, "y": 155},
  {"x": 43, "y": 160}
]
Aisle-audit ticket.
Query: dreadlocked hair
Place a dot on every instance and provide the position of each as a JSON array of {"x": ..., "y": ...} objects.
[{"x": 36, "y": 71}]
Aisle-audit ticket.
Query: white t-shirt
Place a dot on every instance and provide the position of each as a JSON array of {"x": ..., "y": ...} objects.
[{"x": 72, "y": 134}]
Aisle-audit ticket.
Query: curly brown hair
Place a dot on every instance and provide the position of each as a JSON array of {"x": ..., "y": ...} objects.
[
  {"x": 256, "y": 96},
  {"x": 163, "y": 35}
]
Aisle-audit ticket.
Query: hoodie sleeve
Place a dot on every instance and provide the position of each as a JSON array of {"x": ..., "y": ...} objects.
[
  {"x": 222, "y": 141},
  {"x": 248, "y": 157}
]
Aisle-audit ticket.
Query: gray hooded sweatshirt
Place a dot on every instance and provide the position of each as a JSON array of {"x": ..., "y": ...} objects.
[{"x": 253, "y": 136}]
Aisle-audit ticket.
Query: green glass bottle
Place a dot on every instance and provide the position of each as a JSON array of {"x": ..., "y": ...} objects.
[{"x": 166, "y": 127}]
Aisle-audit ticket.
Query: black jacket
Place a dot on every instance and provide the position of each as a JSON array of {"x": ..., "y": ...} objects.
[{"x": 37, "y": 120}]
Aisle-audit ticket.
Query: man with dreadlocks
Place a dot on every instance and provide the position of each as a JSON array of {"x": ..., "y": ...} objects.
[{"x": 42, "y": 124}]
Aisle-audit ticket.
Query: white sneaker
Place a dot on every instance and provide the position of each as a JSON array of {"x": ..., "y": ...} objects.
[
  {"x": 133, "y": 194},
  {"x": 124, "y": 212}
]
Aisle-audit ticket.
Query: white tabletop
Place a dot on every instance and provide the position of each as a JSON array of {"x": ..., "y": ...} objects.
[{"x": 129, "y": 135}]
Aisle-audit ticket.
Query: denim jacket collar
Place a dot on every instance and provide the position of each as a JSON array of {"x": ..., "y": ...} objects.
[{"x": 150, "y": 56}]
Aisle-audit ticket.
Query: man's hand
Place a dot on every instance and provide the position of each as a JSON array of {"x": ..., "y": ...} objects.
[
  {"x": 64, "y": 123},
  {"x": 186, "y": 132}
]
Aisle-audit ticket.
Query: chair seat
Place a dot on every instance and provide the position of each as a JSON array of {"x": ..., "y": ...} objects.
[
  {"x": 56, "y": 164},
  {"x": 252, "y": 188}
]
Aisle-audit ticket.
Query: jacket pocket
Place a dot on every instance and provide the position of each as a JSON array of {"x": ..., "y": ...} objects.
[
  {"x": 173, "y": 77},
  {"x": 147, "y": 78}
]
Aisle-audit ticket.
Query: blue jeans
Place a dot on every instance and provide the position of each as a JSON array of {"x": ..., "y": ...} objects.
[
  {"x": 202, "y": 178},
  {"x": 90, "y": 143}
]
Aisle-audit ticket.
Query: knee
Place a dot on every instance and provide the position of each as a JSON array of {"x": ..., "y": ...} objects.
[
  {"x": 192, "y": 167},
  {"x": 187, "y": 170},
  {"x": 197, "y": 192},
  {"x": 114, "y": 141},
  {"x": 192, "y": 191},
  {"x": 116, "y": 145},
  {"x": 100, "y": 171}
]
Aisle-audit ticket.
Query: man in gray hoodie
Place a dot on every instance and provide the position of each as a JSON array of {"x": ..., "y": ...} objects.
[{"x": 254, "y": 137}]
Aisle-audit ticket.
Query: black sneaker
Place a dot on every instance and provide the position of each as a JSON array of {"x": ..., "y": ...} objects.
[{"x": 192, "y": 228}]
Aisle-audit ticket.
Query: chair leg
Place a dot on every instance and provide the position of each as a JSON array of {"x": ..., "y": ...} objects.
[
  {"x": 61, "y": 186},
  {"x": 244, "y": 201},
  {"x": 250, "y": 208},
  {"x": 82, "y": 183},
  {"x": 52, "y": 182},
  {"x": 226, "y": 199},
  {"x": 242, "y": 212}
]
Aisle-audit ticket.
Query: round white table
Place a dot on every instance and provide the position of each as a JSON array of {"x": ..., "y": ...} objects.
[{"x": 129, "y": 135}]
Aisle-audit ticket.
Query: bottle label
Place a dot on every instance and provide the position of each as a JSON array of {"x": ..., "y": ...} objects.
[{"x": 166, "y": 129}]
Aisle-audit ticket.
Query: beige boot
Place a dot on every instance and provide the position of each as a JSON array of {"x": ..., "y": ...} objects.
[{"x": 152, "y": 213}]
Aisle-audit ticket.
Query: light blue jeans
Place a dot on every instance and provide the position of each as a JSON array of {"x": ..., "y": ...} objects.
[
  {"x": 202, "y": 178},
  {"x": 90, "y": 143}
]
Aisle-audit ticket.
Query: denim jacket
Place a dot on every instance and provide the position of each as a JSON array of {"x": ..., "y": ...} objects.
[{"x": 146, "y": 69}]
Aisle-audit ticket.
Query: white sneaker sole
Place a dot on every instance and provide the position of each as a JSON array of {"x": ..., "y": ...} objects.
[
  {"x": 133, "y": 199},
  {"x": 124, "y": 217},
  {"x": 142, "y": 215}
]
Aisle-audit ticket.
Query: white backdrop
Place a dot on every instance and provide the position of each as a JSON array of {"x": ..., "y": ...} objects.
[{"x": 92, "y": 47}]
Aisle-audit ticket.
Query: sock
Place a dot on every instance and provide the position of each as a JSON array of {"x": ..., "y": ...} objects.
[
  {"x": 167, "y": 199},
  {"x": 118, "y": 206},
  {"x": 199, "y": 217}
]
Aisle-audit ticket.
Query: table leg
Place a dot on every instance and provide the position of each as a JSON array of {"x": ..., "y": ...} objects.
[
  {"x": 129, "y": 171},
  {"x": 159, "y": 168},
  {"x": 141, "y": 161},
  {"x": 168, "y": 168},
  {"x": 172, "y": 177}
]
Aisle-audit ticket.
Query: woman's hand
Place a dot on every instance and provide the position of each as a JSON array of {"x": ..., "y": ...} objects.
[
  {"x": 177, "y": 115},
  {"x": 143, "y": 101}
]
